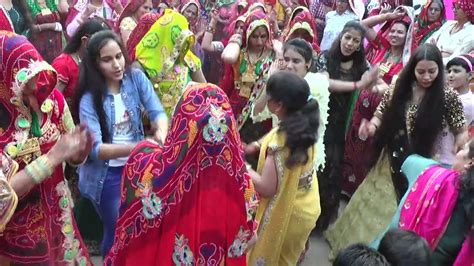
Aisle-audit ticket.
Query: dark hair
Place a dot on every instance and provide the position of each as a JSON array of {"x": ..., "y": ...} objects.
[
  {"x": 91, "y": 78},
  {"x": 360, "y": 255},
  {"x": 301, "y": 46},
  {"x": 461, "y": 62},
  {"x": 6, "y": 117},
  {"x": 25, "y": 12},
  {"x": 404, "y": 23},
  {"x": 85, "y": 30},
  {"x": 430, "y": 113},
  {"x": 335, "y": 55},
  {"x": 466, "y": 194},
  {"x": 405, "y": 248},
  {"x": 302, "y": 115}
]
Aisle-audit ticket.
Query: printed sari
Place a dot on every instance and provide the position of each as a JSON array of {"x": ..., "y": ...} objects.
[
  {"x": 164, "y": 53},
  {"x": 42, "y": 230},
  {"x": 191, "y": 200},
  {"x": 285, "y": 220},
  {"x": 143, "y": 26}
]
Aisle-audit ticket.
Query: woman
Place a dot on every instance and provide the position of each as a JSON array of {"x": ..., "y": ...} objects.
[
  {"x": 35, "y": 117},
  {"x": 303, "y": 26},
  {"x": 85, "y": 9},
  {"x": 286, "y": 177},
  {"x": 47, "y": 31},
  {"x": 455, "y": 36},
  {"x": 67, "y": 63},
  {"x": 191, "y": 10},
  {"x": 130, "y": 16},
  {"x": 176, "y": 65},
  {"x": 409, "y": 119},
  {"x": 19, "y": 15},
  {"x": 191, "y": 200},
  {"x": 111, "y": 96},
  {"x": 431, "y": 18},
  {"x": 391, "y": 47},
  {"x": 347, "y": 69},
  {"x": 251, "y": 59},
  {"x": 298, "y": 58},
  {"x": 445, "y": 223}
]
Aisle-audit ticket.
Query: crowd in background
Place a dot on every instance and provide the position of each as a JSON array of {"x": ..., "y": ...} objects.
[{"x": 201, "y": 132}]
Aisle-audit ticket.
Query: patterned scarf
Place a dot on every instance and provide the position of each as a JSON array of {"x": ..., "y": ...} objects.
[{"x": 193, "y": 193}]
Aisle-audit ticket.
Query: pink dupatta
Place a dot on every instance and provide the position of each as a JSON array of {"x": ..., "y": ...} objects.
[{"x": 429, "y": 205}]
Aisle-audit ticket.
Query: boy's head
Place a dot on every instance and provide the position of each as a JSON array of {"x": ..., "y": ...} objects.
[
  {"x": 360, "y": 255},
  {"x": 405, "y": 248}
]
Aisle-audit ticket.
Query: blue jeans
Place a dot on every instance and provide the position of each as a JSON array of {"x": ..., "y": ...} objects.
[{"x": 108, "y": 208}]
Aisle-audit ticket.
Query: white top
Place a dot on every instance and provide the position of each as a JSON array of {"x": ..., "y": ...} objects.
[
  {"x": 445, "y": 150},
  {"x": 461, "y": 42},
  {"x": 122, "y": 129},
  {"x": 319, "y": 89},
  {"x": 334, "y": 25}
]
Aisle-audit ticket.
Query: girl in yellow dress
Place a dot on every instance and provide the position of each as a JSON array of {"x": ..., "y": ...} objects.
[{"x": 286, "y": 177}]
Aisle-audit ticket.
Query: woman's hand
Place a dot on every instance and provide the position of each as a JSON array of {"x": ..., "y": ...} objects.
[
  {"x": 74, "y": 146},
  {"x": 367, "y": 129},
  {"x": 160, "y": 136},
  {"x": 369, "y": 78},
  {"x": 460, "y": 140},
  {"x": 252, "y": 148}
]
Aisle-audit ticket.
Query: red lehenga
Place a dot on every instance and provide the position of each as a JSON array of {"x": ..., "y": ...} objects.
[
  {"x": 190, "y": 202},
  {"x": 42, "y": 230}
]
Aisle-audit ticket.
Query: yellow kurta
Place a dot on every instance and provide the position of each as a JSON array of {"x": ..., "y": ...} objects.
[{"x": 285, "y": 220}]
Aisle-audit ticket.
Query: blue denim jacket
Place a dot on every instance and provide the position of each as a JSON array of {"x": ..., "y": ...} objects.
[{"x": 137, "y": 94}]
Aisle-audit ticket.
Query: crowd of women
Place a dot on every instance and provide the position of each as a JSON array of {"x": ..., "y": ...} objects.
[{"x": 226, "y": 132}]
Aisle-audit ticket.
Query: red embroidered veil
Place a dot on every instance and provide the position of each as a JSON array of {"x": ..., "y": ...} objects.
[{"x": 190, "y": 201}]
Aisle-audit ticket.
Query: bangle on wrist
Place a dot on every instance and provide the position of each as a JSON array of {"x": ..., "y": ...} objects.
[
  {"x": 355, "y": 87},
  {"x": 236, "y": 38},
  {"x": 211, "y": 29},
  {"x": 39, "y": 169}
]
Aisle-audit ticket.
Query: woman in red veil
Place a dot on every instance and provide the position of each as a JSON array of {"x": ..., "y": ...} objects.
[{"x": 191, "y": 200}]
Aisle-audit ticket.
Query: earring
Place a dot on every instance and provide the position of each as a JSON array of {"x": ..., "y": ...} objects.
[{"x": 358, "y": 49}]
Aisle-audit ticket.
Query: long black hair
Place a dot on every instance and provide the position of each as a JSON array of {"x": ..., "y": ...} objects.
[
  {"x": 335, "y": 56},
  {"x": 25, "y": 12},
  {"x": 302, "y": 114},
  {"x": 431, "y": 109},
  {"x": 91, "y": 78},
  {"x": 85, "y": 30}
]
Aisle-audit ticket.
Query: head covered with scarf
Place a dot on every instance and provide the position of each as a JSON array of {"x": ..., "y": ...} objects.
[
  {"x": 423, "y": 29},
  {"x": 20, "y": 64},
  {"x": 165, "y": 189},
  {"x": 187, "y": 3},
  {"x": 408, "y": 21},
  {"x": 468, "y": 7},
  {"x": 253, "y": 21},
  {"x": 130, "y": 10},
  {"x": 304, "y": 21},
  {"x": 168, "y": 41}
]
